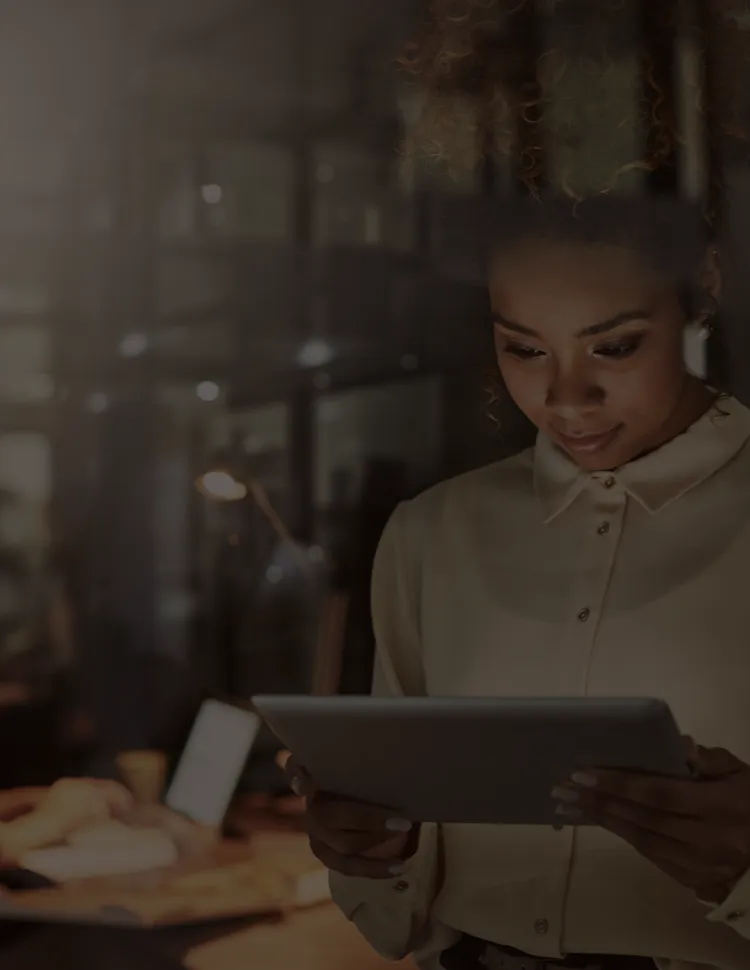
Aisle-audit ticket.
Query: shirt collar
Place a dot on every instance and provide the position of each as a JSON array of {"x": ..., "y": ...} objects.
[{"x": 658, "y": 478}]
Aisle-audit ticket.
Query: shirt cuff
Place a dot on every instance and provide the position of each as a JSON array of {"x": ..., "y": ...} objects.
[
  {"x": 735, "y": 910},
  {"x": 389, "y": 912}
]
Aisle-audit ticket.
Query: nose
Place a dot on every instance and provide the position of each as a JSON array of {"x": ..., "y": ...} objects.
[{"x": 571, "y": 393}]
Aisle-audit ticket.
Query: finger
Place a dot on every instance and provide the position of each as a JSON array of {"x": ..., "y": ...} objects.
[
  {"x": 595, "y": 805},
  {"x": 282, "y": 757},
  {"x": 404, "y": 847},
  {"x": 333, "y": 812},
  {"x": 716, "y": 762},
  {"x": 353, "y": 865},
  {"x": 363, "y": 844},
  {"x": 299, "y": 779},
  {"x": 677, "y": 796},
  {"x": 706, "y": 840},
  {"x": 674, "y": 858},
  {"x": 650, "y": 844},
  {"x": 692, "y": 753}
]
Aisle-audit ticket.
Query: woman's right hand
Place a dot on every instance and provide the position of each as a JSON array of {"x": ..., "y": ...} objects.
[{"x": 353, "y": 838}]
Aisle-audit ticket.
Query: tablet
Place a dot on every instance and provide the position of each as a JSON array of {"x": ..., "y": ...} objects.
[{"x": 471, "y": 760}]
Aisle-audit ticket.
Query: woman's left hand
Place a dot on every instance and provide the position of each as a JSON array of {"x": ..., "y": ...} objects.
[{"x": 695, "y": 830}]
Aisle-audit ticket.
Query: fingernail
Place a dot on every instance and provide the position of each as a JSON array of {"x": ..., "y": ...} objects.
[
  {"x": 398, "y": 870},
  {"x": 565, "y": 795},
  {"x": 585, "y": 779},
  {"x": 398, "y": 825},
  {"x": 297, "y": 786}
]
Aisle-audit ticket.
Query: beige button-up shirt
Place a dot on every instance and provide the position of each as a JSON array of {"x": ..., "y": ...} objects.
[{"x": 531, "y": 577}]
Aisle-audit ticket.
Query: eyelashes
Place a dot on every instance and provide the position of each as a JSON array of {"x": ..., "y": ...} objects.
[
  {"x": 614, "y": 350},
  {"x": 621, "y": 348},
  {"x": 522, "y": 352}
]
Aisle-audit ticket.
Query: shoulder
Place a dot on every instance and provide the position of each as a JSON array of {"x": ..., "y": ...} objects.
[{"x": 500, "y": 488}]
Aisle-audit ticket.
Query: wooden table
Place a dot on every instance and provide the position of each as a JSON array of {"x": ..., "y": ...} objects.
[
  {"x": 316, "y": 939},
  {"x": 319, "y": 938}
]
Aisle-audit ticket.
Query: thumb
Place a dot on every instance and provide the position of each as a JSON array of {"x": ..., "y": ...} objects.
[{"x": 715, "y": 762}]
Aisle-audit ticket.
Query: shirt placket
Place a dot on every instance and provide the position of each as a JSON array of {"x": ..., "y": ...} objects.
[
  {"x": 602, "y": 531},
  {"x": 602, "y": 524}
]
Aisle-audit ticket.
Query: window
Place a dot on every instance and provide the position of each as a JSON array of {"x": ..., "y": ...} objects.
[
  {"x": 392, "y": 422},
  {"x": 247, "y": 191},
  {"x": 24, "y": 364}
]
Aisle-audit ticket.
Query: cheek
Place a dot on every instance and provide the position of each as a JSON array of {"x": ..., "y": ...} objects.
[
  {"x": 651, "y": 383},
  {"x": 526, "y": 385}
]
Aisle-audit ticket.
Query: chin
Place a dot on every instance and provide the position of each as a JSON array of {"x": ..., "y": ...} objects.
[
  {"x": 597, "y": 463},
  {"x": 605, "y": 455}
]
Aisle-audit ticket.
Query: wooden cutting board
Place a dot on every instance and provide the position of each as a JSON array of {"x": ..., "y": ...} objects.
[{"x": 274, "y": 874}]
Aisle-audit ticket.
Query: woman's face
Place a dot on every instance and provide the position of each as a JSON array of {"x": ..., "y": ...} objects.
[{"x": 589, "y": 343}]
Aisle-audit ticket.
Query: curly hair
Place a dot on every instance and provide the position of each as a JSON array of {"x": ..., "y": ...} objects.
[
  {"x": 482, "y": 76},
  {"x": 590, "y": 97}
]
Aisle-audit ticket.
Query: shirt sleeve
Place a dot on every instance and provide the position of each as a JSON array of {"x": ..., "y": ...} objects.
[
  {"x": 735, "y": 910},
  {"x": 393, "y": 914}
]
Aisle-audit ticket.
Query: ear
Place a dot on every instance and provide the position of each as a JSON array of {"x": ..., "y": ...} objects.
[{"x": 709, "y": 282}]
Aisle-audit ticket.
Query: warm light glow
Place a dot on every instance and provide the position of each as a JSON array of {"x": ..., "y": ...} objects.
[
  {"x": 212, "y": 194},
  {"x": 221, "y": 486},
  {"x": 97, "y": 403},
  {"x": 315, "y": 353},
  {"x": 208, "y": 391},
  {"x": 133, "y": 345},
  {"x": 274, "y": 574},
  {"x": 316, "y": 554}
]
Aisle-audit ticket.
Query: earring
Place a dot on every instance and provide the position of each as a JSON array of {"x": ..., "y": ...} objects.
[{"x": 694, "y": 349}]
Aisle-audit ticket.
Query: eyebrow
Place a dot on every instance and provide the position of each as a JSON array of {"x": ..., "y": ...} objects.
[{"x": 628, "y": 316}]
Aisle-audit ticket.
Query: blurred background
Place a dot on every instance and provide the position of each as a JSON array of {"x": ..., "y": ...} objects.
[{"x": 238, "y": 326}]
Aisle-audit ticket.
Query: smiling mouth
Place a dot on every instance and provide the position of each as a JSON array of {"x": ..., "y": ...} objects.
[{"x": 587, "y": 443}]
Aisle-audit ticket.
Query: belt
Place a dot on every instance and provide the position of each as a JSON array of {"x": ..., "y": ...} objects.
[{"x": 473, "y": 954}]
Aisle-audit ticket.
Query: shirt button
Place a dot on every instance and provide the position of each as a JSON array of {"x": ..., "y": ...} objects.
[
  {"x": 584, "y": 614},
  {"x": 541, "y": 926},
  {"x": 736, "y": 915},
  {"x": 401, "y": 886},
  {"x": 603, "y": 529},
  {"x": 609, "y": 481}
]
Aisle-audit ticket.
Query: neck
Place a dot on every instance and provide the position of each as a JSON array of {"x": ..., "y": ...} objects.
[{"x": 693, "y": 403}]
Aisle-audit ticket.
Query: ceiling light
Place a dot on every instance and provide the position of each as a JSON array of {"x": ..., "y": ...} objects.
[
  {"x": 208, "y": 391},
  {"x": 315, "y": 353},
  {"x": 133, "y": 345},
  {"x": 212, "y": 194}
]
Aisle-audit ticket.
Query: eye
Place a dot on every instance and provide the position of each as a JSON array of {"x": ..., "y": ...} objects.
[
  {"x": 620, "y": 349},
  {"x": 522, "y": 351}
]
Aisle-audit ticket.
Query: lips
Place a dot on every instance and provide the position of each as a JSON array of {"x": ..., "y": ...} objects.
[{"x": 588, "y": 443}]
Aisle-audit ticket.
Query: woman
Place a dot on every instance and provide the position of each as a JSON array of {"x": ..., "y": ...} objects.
[
  {"x": 32, "y": 818},
  {"x": 608, "y": 559}
]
